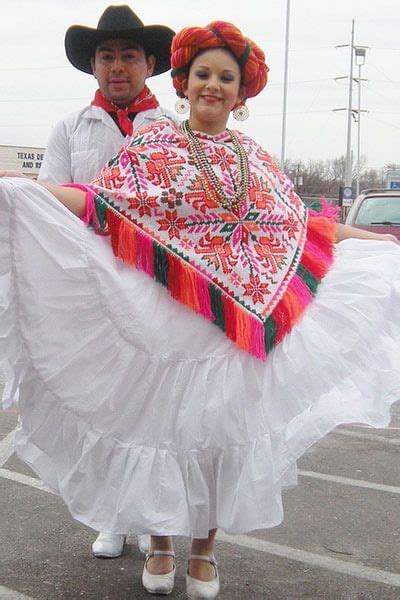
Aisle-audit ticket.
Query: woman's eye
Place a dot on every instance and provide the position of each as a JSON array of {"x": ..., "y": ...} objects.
[
  {"x": 227, "y": 78},
  {"x": 202, "y": 74}
]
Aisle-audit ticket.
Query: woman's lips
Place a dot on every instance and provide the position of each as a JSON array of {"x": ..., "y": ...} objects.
[{"x": 210, "y": 99}]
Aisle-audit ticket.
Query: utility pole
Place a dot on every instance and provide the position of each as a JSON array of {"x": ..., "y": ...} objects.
[
  {"x": 347, "y": 191},
  {"x": 285, "y": 81}
]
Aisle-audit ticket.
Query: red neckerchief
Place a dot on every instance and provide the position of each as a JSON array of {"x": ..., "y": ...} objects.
[{"x": 145, "y": 101}]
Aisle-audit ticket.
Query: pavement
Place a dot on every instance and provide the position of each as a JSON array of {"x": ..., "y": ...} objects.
[{"x": 340, "y": 539}]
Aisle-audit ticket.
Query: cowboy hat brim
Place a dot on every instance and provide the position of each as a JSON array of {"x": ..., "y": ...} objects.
[{"x": 81, "y": 43}]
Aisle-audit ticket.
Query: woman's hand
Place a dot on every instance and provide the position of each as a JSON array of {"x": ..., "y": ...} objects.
[
  {"x": 344, "y": 232},
  {"x": 389, "y": 238},
  {"x": 73, "y": 199},
  {"x": 12, "y": 174}
]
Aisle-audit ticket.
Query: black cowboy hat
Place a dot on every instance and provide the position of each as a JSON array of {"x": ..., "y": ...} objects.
[{"x": 118, "y": 22}]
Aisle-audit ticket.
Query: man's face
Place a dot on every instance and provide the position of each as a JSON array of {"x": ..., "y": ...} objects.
[{"x": 121, "y": 69}]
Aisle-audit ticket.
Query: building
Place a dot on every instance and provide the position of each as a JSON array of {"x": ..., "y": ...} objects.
[{"x": 27, "y": 160}]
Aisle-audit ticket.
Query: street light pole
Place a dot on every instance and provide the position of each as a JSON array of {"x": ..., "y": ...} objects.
[
  {"x": 348, "y": 175},
  {"x": 360, "y": 62},
  {"x": 285, "y": 81}
]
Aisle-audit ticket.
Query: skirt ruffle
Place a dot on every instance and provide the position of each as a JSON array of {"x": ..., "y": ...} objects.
[{"x": 142, "y": 415}]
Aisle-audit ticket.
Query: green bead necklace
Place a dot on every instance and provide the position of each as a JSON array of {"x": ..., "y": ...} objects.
[{"x": 210, "y": 180}]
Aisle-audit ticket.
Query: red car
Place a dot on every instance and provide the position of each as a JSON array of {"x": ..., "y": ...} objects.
[{"x": 377, "y": 211}]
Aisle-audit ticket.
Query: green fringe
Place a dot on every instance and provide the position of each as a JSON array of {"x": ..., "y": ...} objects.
[
  {"x": 270, "y": 328},
  {"x": 315, "y": 205},
  {"x": 101, "y": 209},
  {"x": 308, "y": 278},
  {"x": 160, "y": 264},
  {"x": 216, "y": 306}
]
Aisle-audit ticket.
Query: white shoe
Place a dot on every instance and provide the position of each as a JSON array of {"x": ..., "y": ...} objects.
[
  {"x": 143, "y": 543},
  {"x": 158, "y": 584},
  {"x": 195, "y": 588},
  {"x": 108, "y": 545}
]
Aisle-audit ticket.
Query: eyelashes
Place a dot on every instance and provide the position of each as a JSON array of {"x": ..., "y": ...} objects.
[{"x": 204, "y": 75}]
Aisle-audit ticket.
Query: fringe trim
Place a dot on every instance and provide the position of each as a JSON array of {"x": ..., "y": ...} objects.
[{"x": 189, "y": 287}]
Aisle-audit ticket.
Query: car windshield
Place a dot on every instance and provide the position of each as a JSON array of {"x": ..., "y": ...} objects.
[{"x": 379, "y": 209}]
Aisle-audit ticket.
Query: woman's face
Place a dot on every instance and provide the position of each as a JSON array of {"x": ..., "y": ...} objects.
[{"x": 213, "y": 90}]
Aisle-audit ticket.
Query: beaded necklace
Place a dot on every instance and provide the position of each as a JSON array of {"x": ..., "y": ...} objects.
[{"x": 210, "y": 180}]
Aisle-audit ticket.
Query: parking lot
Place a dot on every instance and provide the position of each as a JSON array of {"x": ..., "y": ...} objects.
[{"x": 340, "y": 538}]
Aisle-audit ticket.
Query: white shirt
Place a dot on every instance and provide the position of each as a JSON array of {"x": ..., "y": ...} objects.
[{"x": 84, "y": 141}]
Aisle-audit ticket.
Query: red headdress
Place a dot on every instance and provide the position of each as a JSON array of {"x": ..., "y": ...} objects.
[{"x": 219, "y": 34}]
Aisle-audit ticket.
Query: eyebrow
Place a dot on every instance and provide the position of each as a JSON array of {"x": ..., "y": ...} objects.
[{"x": 127, "y": 46}]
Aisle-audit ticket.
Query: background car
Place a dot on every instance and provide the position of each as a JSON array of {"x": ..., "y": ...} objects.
[{"x": 377, "y": 211}]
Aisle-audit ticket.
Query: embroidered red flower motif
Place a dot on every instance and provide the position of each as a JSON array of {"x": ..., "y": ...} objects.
[
  {"x": 291, "y": 226},
  {"x": 143, "y": 203},
  {"x": 171, "y": 198},
  {"x": 222, "y": 158},
  {"x": 256, "y": 289},
  {"x": 110, "y": 178},
  {"x": 172, "y": 223}
]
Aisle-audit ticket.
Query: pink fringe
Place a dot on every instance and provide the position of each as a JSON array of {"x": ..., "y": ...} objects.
[
  {"x": 204, "y": 297},
  {"x": 302, "y": 292},
  {"x": 145, "y": 258},
  {"x": 257, "y": 338},
  {"x": 89, "y": 201},
  {"x": 332, "y": 212},
  {"x": 318, "y": 252}
]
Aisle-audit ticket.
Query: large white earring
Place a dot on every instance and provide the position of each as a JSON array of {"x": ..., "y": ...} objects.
[
  {"x": 182, "y": 106},
  {"x": 241, "y": 112}
]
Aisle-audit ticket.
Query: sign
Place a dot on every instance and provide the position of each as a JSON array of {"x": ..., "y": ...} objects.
[
  {"x": 392, "y": 178},
  {"x": 27, "y": 160},
  {"x": 347, "y": 196},
  {"x": 394, "y": 185}
]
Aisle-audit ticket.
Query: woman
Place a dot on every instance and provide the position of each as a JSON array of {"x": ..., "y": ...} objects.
[{"x": 117, "y": 381}]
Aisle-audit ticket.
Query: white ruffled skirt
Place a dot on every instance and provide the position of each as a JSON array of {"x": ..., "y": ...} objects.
[{"x": 142, "y": 415}]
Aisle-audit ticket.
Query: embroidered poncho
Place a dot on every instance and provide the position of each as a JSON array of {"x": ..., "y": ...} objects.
[{"x": 252, "y": 271}]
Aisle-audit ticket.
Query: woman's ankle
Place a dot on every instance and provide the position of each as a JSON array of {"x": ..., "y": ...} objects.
[
  {"x": 161, "y": 542},
  {"x": 204, "y": 546}
]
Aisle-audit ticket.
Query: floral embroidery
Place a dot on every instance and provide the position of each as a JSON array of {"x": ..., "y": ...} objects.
[
  {"x": 216, "y": 252},
  {"x": 255, "y": 289},
  {"x": 172, "y": 224},
  {"x": 143, "y": 203},
  {"x": 261, "y": 238},
  {"x": 244, "y": 268}
]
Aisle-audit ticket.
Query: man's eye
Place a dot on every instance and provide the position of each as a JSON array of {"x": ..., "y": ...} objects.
[{"x": 106, "y": 57}]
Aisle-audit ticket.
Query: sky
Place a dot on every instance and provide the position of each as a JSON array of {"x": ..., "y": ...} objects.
[{"x": 38, "y": 86}]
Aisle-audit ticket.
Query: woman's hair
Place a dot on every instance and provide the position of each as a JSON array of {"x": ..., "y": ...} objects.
[{"x": 189, "y": 42}]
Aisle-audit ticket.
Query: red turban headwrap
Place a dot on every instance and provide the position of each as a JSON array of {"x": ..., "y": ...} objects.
[{"x": 219, "y": 34}]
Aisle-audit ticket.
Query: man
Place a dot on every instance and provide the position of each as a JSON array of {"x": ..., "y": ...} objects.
[{"x": 121, "y": 53}]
